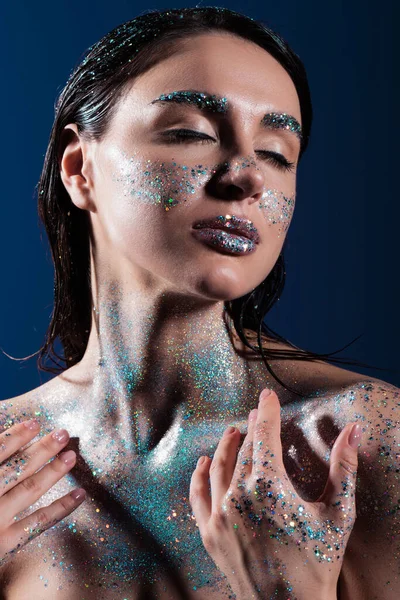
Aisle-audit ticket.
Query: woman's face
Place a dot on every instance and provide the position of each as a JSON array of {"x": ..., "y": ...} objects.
[{"x": 149, "y": 188}]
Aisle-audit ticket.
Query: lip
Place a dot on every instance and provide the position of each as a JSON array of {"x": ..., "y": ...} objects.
[
  {"x": 231, "y": 224},
  {"x": 225, "y": 241}
]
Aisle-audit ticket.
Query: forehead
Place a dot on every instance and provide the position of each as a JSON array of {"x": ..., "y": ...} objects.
[{"x": 226, "y": 65}]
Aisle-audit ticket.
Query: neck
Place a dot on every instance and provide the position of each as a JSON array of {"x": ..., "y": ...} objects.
[{"x": 156, "y": 358}]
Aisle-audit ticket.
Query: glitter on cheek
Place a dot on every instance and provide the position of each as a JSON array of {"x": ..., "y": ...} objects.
[
  {"x": 165, "y": 184},
  {"x": 170, "y": 185},
  {"x": 277, "y": 208},
  {"x": 154, "y": 183}
]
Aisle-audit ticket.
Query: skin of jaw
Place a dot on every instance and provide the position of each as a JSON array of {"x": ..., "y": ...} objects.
[{"x": 160, "y": 378}]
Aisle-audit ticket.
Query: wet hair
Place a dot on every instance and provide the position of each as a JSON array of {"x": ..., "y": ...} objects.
[{"x": 90, "y": 99}]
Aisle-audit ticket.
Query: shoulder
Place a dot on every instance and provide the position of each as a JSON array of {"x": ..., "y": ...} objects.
[
  {"x": 351, "y": 396},
  {"x": 309, "y": 377},
  {"x": 15, "y": 410},
  {"x": 376, "y": 406},
  {"x": 372, "y": 557},
  {"x": 43, "y": 402}
]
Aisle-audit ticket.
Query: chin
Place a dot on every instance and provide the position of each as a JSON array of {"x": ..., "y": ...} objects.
[{"x": 225, "y": 284}]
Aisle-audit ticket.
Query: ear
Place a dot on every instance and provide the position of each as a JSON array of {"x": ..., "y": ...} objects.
[{"x": 74, "y": 168}]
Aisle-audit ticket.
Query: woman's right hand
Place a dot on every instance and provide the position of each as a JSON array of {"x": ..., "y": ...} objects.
[{"x": 21, "y": 486}]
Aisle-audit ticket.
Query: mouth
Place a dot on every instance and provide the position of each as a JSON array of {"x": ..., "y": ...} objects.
[
  {"x": 232, "y": 224},
  {"x": 228, "y": 234}
]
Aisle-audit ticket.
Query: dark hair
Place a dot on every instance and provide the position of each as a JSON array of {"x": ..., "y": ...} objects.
[{"x": 89, "y": 99}]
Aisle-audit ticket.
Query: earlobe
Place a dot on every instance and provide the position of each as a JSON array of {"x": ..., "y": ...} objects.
[{"x": 71, "y": 162}]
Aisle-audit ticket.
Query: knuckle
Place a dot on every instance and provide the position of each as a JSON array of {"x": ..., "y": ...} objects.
[
  {"x": 208, "y": 540},
  {"x": 66, "y": 503},
  {"x": 42, "y": 516},
  {"x": 30, "y": 485},
  {"x": 218, "y": 464},
  {"x": 57, "y": 465},
  {"x": 347, "y": 465},
  {"x": 263, "y": 427},
  {"x": 48, "y": 444},
  {"x": 195, "y": 493},
  {"x": 218, "y": 521},
  {"x": 19, "y": 431},
  {"x": 247, "y": 448}
]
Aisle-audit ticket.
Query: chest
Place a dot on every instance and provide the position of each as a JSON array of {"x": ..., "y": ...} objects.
[{"x": 136, "y": 531}]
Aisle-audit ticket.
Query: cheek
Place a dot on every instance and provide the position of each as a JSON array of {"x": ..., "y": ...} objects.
[
  {"x": 169, "y": 184},
  {"x": 157, "y": 183},
  {"x": 277, "y": 210},
  {"x": 139, "y": 192}
]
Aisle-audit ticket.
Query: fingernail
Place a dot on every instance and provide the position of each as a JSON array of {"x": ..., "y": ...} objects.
[
  {"x": 61, "y": 435},
  {"x": 266, "y": 392},
  {"x": 355, "y": 435},
  {"x": 229, "y": 430},
  {"x": 68, "y": 457},
  {"x": 78, "y": 494},
  {"x": 200, "y": 461},
  {"x": 253, "y": 413},
  {"x": 32, "y": 424}
]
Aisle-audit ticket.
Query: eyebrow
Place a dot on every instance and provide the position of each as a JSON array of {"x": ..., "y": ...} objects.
[{"x": 212, "y": 103}]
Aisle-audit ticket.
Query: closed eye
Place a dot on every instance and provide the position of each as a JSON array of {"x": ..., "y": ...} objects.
[{"x": 182, "y": 135}]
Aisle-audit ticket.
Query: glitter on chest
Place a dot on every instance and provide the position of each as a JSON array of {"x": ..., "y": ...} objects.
[{"x": 154, "y": 490}]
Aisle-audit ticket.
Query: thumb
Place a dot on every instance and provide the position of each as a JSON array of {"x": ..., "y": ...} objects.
[{"x": 339, "y": 490}]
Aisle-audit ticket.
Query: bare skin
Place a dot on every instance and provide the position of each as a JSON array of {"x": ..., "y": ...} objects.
[
  {"x": 304, "y": 453},
  {"x": 161, "y": 377}
]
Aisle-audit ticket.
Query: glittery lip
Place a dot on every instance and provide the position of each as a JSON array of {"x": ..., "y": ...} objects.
[
  {"x": 225, "y": 241},
  {"x": 231, "y": 224}
]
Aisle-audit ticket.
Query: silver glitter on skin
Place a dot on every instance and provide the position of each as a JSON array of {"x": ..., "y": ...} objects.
[
  {"x": 148, "y": 184},
  {"x": 163, "y": 506},
  {"x": 172, "y": 184},
  {"x": 161, "y": 380},
  {"x": 278, "y": 209}
]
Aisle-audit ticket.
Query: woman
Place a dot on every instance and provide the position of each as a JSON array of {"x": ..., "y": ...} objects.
[{"x": 167, "y": 191}]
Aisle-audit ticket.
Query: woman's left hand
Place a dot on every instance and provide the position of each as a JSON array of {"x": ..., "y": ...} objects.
[{"x": 256, "y": 528}]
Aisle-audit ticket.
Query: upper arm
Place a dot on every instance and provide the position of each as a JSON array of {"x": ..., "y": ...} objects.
[{"x": 372, "y": 559}]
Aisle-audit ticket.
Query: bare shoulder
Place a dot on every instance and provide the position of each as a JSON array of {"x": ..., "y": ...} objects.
[
  {"x": 309, "y": 377},
  {"x": 45, "y": 403},
  {"x": 372, "y": 559},
  {"x": 17, "y": 409}
]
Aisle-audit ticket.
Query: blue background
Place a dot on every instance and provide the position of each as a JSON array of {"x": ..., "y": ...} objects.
[{"x": 343, "y": 252}]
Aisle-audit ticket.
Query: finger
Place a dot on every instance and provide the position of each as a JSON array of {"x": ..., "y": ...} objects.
[
  {"x": 244, "y": 462},
  {"x": 339, "y": 490},
  {"x": 25, "y": 463},
  {"x": 34, "y": 524},
  {"x": 13, "y": 438},
  {"x": 28, "y": 491},
  {"x": 199, "y": 494},
  {"x": 223, "y": 466},
  {"x": 267, "y": 445}
]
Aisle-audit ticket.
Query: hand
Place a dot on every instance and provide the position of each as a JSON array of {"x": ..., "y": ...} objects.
[
  {"x": 21, "y": 486},
  {"x": 256, "y": 528}
]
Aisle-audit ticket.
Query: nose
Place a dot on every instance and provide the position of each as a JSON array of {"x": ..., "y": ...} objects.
[{"x": 240, "y": 178}]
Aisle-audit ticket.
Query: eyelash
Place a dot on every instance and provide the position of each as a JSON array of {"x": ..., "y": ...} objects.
[{"x": 180, "y": 135}]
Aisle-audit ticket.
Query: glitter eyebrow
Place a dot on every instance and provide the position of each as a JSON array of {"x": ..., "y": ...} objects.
[{"x": 214, "y": 103}]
